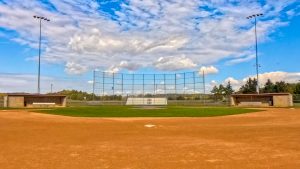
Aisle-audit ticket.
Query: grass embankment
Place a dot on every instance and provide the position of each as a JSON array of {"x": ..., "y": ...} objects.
[{"x": 128, "y": 111}]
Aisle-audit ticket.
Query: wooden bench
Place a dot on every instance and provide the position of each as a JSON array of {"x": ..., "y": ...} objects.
[
  {"x": 39, "y": 104},
  {"x": 250, "y": 104}
]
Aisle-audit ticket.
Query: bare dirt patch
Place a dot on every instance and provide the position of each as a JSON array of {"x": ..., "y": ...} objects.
[{"x": 268, "y": 139}]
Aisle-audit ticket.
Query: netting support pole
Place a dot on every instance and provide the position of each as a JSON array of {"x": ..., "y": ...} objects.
[
  {"x": 194, "y": 83},
  {"x": 143, "y": 88},
  {"x": 122, "y": 89},
  {"x": 203, "y": 76},
  {"x": 184, "y": 84},
  {"x": 132, "y": 85},
  {"x": 154, "y": 85},
  {"x": 103, "y": 83},
  {"x": 165, "y": 89},
  {"x": 94, "y": 72},
  {"x": 176, "y": 88},
  {"x": 113, "y": 85}
]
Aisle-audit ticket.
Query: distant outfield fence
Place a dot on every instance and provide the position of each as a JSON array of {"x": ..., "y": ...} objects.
[{"x": 202, "y": 100}]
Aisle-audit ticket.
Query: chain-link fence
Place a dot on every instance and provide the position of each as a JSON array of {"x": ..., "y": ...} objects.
[
  {"x": 296, "y": 99},
  {"x": 114, "y": 86},
  {"x": 178, "y": 100}
]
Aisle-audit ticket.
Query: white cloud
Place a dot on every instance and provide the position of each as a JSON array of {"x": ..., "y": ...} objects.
[
  {"x": 236, "y": 84},
  {"x": 289, "y": 77},
  {"x": 75, "y": 68},
  {"x": 232, "y": 81},
  {"x": 208, "y": 70},
  {"x": 174, "y": 63},
  {"x": 213, "y": 83},
  {"x": 240, "y": 60},
  {"x": 83, "y": 38},
  {"x": 28, "y": 83},
  {"x": 123, "y": 65}
]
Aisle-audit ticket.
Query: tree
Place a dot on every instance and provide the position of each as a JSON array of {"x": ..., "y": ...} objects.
[
  {"x": 218, "y": 90},
  {"x": 221, "y": 90},
  {"x": 215, "y": 90},
  {"x": 269, "y": 87},
  {"x": 78, "y": 95},
  {"x": 249, "y": 87},
  {"x": 281, "y": 87},
  {"x": 228, "y": 89},
  {"x": 297, "y": 89}
]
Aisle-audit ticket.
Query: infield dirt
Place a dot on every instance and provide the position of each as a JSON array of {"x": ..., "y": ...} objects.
[{"x": 268, "y": 139}]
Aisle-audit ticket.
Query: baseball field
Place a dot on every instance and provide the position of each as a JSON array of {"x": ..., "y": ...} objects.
[{"x": 103, "y": 138}]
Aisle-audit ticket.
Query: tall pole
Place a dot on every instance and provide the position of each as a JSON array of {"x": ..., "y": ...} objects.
[
  {"x": 113, "y": 85},
  {"x": 154, "y": 86},
  {"x": 94, "y": 77},
  {"x": 103, "y": 84},
  {"x": 194, "y": 83},
  {"x": 257, "y": 83},
  {"x": 39, "y": 67},
  {"x": 143, "y": 88},
  {"x": 51, "y": 87},
  {"x": 176, "y": 88},
  {"x": 165, "y": 88},
  {"x": 203, "y": 76},
  {"x": 184, "y": 84},
  {"x": 40, "y": 18},
  {"x": 256, "y": 48}
]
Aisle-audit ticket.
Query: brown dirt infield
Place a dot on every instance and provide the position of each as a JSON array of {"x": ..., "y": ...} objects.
[{"x": 269, "y": 139}]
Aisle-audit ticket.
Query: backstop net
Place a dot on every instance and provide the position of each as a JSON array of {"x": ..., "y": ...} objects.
[{"x": 122, "y": 86}]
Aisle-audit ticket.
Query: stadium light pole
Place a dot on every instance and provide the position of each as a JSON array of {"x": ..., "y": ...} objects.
[
  {"x": 255, "y": 31},
  {"x": 40, "y": 18}
]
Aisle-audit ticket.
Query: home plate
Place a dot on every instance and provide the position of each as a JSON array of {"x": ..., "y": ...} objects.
[{"x": 149, "y": 125}]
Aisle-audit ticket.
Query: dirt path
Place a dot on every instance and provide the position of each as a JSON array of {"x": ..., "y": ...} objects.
[{"x": 269, "y": 139}]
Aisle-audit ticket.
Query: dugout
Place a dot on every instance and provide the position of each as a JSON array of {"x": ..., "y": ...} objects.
[
  {"x": 262, "y": 100},
  {"x": 17, "y": 100}
]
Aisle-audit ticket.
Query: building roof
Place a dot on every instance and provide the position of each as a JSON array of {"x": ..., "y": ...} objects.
[
  {"x": 263, "y": 94},
  {"x": 35, "y": 95}
]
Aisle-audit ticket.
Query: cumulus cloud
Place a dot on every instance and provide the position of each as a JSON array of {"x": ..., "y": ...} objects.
[
  {"x": 28, "y": 83},
  {"x": 232, "y": 81},
  {"x": 277, "y": 76},
  {"x": 174, "y": 63},
  {"x": 213, "y": 83},
  {"x": 123, "y": 65},
  {"x": 208, "y": 70},
  {"x": 90, "y": 82},
  {"x": 289, "y": 77},
  {"x": 83, "y": 36},
  {"x": 75, "y": 68}
]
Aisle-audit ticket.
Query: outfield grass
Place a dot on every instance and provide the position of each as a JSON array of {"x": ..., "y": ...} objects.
[{"x": 127, "y": 111}]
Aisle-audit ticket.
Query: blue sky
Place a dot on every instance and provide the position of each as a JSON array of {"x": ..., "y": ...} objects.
[{"x": 147, "y": 37}]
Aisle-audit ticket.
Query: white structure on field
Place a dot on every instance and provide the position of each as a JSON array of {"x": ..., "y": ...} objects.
[{"x": 147, "y": 101}]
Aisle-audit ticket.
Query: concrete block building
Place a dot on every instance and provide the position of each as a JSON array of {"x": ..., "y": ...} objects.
[
  {"x": 17, "y": 100},
  {"x": 262, "y": 100}
]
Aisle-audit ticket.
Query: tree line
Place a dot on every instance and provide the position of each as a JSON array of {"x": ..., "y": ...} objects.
[
  {"x": 221, "y": 90},
  {"x": 250, "y": 87}
]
